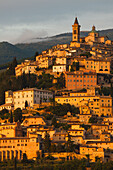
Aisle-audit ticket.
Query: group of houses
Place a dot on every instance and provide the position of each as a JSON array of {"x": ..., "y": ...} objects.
[{"x": 84, "y": 62}]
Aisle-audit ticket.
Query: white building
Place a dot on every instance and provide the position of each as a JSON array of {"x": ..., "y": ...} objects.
[
  {"x": 59, "y": 68},
  {"x": 31, "y": 95}
]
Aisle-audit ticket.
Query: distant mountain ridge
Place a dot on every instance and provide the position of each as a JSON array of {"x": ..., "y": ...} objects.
[
  {"x": 9, "y": 51},
  {"x": 26, "y": 50}
]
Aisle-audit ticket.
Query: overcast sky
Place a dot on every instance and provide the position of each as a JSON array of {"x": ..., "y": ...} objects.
[{"x": 25, "y": 19}]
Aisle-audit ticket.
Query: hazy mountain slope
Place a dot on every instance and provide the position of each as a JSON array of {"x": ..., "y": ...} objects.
[
  {"x": 42, "y": 45},
  {"x": 108, "y": 33},
  {"x": 26, "y": 50},
  {"x": 9, "y": 51}
]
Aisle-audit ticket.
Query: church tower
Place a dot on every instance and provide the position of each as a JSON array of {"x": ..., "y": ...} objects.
[{"x": 76, "y": 31}]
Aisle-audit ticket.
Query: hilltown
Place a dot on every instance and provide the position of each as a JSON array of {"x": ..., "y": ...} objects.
[{"x": 87, "y": 127}]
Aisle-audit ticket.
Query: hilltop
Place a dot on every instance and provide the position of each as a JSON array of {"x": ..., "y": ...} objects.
[{"x": 26, "y": 50}]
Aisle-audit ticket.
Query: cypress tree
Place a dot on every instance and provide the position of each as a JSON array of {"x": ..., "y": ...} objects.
[
  {"x": 11, "y": 117},
  {"x": 47, "y": 143}
]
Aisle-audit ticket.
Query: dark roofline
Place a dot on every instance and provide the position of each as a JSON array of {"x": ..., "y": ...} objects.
[
  {"x": 89, "y": 142},
  {"x": 16, "y": 138}
]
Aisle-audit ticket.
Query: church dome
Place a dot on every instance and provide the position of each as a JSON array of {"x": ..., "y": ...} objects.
[{"x": 93, "y": 29}]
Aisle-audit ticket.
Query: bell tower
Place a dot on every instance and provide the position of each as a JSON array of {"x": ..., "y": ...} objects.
[{"x": 76, "y": 31}]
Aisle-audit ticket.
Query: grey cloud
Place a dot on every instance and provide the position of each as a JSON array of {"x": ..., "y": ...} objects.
[
  {"x": 56, "y": 16},
  {"x": 29, "y": 36}
]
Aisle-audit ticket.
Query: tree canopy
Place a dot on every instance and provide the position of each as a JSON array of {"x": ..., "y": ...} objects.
[
  {"x": 18, "y": 115},
  {"x": 61, "y": 110}
]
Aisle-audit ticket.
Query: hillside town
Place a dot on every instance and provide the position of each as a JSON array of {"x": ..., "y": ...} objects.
[{"x": 69, "y": 122}]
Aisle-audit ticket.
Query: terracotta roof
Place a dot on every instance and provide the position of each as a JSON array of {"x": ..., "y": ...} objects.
[
  {"x": 7, "y": 104},
  {"x": 5, "y": 124}
]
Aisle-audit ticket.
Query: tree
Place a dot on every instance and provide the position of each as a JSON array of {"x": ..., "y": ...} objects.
[
  {"x": 37, "y": 68},
  {"x": 24, "y": 80},
  {"x": 18, "y": 115},
  {"x": 59, "y": 148},
  {"x": 12, "y": 66},
  {"x": 4, "y": 114},
  {"x": 77, "y": 66},
  {"x": 36, "y": 54},
  {"x": 87, "y": 54},
  {"x": 11, "y": 117},
  {"x": 61, "y": 110},
  {"x": 47, "y": 143},
  {"x": 69, "y": 145},
  {"x": 24, "y": 160},
  {"x": 50, "y": 157},
  {"x": 54, "y": 122},
  {"x": 26, "y": 104},
  {"x": 45, "y": 99},
  {"x": 52, "y": 101},
  {"x": 60, "y": 81},
  {"x": 14, "y": 62},
  {"x": 86, "y": 127},
  {"x": 45, "y": 81},
  {"x": 15, "y": 163},
  {"x": 53, "y": 148},
  {"x": 97, "y": 159},
  {"x": 93, "y": 120},
  {"x": 38, "y": 155}
]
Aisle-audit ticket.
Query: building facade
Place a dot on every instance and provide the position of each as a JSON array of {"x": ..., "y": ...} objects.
[
  {"x": 17, "y": 146},
  {"x": 99, "y": 105},
  {"x": 80, "y": 79},
  {"x": 59, "y": 68},
  {"x": 31, "y": 95}
]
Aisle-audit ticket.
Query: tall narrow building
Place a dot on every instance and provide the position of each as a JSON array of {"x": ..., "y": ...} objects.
[{"x": 76, "y": 31}]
